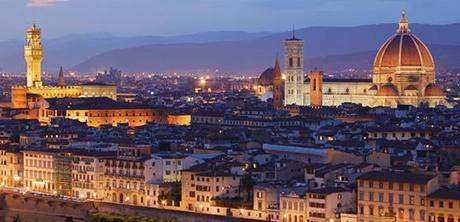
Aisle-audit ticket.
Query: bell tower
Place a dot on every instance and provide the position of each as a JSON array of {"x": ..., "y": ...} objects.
[
  {"x": 33, "y": 56},
  {"x": 293, "y": 66},
  {"x": 316, "y": 88}
]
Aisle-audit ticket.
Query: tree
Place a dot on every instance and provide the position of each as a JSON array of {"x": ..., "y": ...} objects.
[{"x": 248, "y": 183}]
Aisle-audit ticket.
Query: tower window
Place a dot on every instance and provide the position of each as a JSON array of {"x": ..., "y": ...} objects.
[
  {"x": 314, "y": 85},
  {"x": 291, "y": 62},
  {"x": 298, "y": 61}
]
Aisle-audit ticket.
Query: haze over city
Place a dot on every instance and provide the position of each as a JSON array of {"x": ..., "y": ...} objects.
[{"x": 177, "y": 17}]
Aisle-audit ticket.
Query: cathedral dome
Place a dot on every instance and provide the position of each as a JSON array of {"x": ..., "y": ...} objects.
[
  {"x": 433, "y": 90},
  {"x": 388, "y": 90},
  {"x": 266, "y": 78},
  {"x": 403, "y": 49}
]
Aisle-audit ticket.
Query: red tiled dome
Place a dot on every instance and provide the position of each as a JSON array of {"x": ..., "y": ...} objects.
[
  {"x": 433, "y": 90},
  {"x": 403, "y": 49},
  {"x": 388, "y": 90}
]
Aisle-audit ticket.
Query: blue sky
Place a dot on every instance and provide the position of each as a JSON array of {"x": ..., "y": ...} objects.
[{"x": 173, "y": 17}]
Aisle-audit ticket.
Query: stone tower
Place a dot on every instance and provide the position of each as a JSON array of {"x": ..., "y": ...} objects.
[
  {"x": 316, "y": 88},
  {"x": 61, "y": 81},
  {"x": 293, "y": 66},
  {"x": 33, "y": 56},
  {"x": 277, "y": 86}
]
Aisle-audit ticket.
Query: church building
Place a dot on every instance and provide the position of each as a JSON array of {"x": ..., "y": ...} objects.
[{"x": 403, "y": 74}]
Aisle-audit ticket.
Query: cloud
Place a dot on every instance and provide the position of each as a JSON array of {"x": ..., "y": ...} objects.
[{"x": 43, "y": 3}]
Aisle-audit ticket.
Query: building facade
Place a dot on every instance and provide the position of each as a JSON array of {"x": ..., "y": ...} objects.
[
  {"x": 11, "y": 167},
  {"x": 48, "y": 171},
  {"x": 397, "y": 197}
]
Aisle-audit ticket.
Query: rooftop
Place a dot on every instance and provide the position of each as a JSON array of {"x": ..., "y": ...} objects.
[{"x": 397, "y": 177}]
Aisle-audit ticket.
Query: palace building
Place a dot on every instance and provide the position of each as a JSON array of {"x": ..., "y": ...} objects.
[
  {"x": 403, "y": 74},
  {"x": 33, "y": 54}
]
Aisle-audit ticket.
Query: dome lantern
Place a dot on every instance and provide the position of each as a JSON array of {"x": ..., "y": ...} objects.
[{"x": 403, "y": 23}]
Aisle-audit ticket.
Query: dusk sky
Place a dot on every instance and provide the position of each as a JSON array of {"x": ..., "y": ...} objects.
[{"x": 174, "y": 17}]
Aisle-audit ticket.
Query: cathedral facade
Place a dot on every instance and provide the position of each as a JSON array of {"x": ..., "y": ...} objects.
[
  {"x": 403, "y": 74},
  {"x": 23, "y": 96}
]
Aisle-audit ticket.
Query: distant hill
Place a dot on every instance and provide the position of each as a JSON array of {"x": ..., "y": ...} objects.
[
  {"x": 73, "y": 49},
  {"x": 328, "y": 48}
]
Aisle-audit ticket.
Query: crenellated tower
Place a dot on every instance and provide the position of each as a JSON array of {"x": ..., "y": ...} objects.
[{"x": 33, "y": 54}]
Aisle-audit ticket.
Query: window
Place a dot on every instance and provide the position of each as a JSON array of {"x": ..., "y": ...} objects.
[
  {"x": 371, "y": 196},
  {"x": 422, "y": 215},
  {"x": 371, "y": 184},
  {"x": 401, "y": 186},
  {"x": 380, "y": 197},
  {"x": 361, "y": 195},
  {"x": 441, "y": 204},
  {"x": 411, "y": 214},
  {"x": 411, "y": 200},
  {"x": 451, "y": 205},
  {"x": 401, "y": 198},
  {"x": 380, "y": 185},
  {"x": 291, "y": 62},
  {"x": 390, "y": 186},
  {"x": 411, "y": 187},
  {"x": 401, "y": 213}
]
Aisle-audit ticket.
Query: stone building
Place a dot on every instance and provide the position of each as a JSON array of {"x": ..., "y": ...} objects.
[
  {"x": 397, "y": 197},
  {"x": 48, "y": 171},
  {"x": 125, "y": 175},
  {"x": 33, "y": 55},
  {"x": 403, "y": 74},
  {"x": 11, "y": 167},
  {"x": 87, "y": 173}
]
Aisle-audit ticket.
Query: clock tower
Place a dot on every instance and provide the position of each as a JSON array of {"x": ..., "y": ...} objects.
[{"x": 33, "y": 54}]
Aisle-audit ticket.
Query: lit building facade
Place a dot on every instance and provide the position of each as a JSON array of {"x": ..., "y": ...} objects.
[
  {"x": 125, "y": 175},
  {"x": 11, "y": 167},
  {"x": 200, "y": 188},
  {"x": 88, "y": 173},
  {"x": 102, "y": 111},
  {"x": 444, "y": 205},
  {"x": 48, "y": 171},
  {"x": 396, "y": 197}
]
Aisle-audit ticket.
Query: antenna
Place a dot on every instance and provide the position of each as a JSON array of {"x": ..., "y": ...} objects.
[{"x": 293, "y": 31}]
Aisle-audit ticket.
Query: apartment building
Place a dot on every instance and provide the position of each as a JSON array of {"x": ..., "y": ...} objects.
[{"x": 392, "y": 196}]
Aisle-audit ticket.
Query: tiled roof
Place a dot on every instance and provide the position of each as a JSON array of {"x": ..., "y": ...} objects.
[{"x": 397, "y": 177}]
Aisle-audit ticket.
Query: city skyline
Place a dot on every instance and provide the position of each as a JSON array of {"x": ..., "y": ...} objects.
[{"x": 166, "y": 18}]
